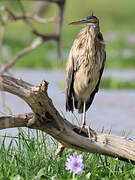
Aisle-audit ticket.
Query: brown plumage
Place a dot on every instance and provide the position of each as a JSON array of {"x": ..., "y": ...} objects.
[{"x": 85, "y": 66}]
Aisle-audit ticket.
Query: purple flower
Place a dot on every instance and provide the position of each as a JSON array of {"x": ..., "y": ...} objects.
[{"x": 75, "y": 163}]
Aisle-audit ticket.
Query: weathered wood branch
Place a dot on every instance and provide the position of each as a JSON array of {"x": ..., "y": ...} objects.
[
  {"x": 13, "y": 121},
  {"x": 45, "y": 117}
]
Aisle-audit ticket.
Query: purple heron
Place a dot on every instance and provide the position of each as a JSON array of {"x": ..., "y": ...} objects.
[{"x": 85, "y": 66}]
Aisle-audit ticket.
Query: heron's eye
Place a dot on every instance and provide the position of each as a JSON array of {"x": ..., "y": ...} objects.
[{"x": 92, "y": 21}]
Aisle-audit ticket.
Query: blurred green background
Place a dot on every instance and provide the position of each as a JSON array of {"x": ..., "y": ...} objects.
[{"x": 116, "y": 21}]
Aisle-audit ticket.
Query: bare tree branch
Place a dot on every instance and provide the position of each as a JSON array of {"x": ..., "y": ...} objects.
[
  {"x": 45, "y": 117},
  {"x": 3, "y": 20},
  {"x": 59, "y": 21},
  {"x": 19, "y": 120},
  {"x": 40, "y": 20},
  {"x": 43, "y": 37},
  {"x": 35, "y": 17},
  {"x": 37, "y": 42},
  {"x": 38, "y": 7}
]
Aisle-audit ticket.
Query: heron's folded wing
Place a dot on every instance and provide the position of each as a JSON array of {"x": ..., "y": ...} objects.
[
  {"x": 69, "y": 83},
  {"x": 89, "y": 102}
]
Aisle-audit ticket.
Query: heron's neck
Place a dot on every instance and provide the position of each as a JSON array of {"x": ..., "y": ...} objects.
[
  {"x": 93, "y": 32},
  {"x": 92, "y": 40}
]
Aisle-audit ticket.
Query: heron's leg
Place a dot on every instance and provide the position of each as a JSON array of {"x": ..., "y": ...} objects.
[
  {"x": 90, "y": 133},
  {"x": 84, "y": 114}
]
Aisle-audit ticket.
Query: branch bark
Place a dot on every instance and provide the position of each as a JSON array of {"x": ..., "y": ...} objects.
[{"x": 45, "y": 117}]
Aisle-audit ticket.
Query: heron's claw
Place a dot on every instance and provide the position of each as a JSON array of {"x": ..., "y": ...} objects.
[
  {"x": 91, "y": 134},
  {"x": 31, "y": 122}
]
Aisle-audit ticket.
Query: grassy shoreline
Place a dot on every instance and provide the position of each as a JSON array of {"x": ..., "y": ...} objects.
[
  {"x": 112, "y": 83},
  {"x": 28, "y": 157}
]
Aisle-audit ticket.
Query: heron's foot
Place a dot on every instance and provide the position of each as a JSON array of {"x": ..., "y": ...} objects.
[
  {"x": 91, "y": 134},
  {"x": 31, "y": 122}
]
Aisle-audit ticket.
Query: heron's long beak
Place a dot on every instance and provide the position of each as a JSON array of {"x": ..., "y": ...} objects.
[
  {"x": 84, "y": 21},
  {"x": 78, "y": 22}
]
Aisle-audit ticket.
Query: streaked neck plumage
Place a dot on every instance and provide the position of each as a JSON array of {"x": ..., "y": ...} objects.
[
  {"x": 88, "y": 38},
  {"x": 92, "y": 36}
]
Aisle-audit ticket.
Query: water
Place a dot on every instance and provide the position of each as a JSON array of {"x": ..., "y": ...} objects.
[{"x": 111, "y": 109}]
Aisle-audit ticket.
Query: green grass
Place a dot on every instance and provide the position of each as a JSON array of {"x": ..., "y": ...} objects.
[
  {"x": 110, "y": 83},
  {"x": 115, "y": 16},
  {"x": 28, "y": 157}
]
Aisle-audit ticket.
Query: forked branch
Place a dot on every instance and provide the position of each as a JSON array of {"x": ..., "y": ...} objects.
[
  {"x": 56, "y": 36},
  {"x": 45, "y": 117}
]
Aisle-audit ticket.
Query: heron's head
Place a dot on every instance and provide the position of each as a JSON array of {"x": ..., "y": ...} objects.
[{"x": 91, "y": 21}]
